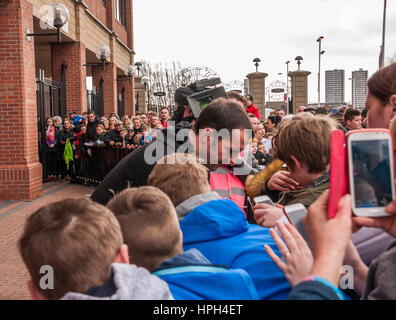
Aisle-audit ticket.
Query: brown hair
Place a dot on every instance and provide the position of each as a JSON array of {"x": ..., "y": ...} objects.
[
  {"x": 307, "y": 139},
  {"x": 183, "y": 171},
  {"x": 78, "y": 238},
  {"x": 235, "y": 95},
  {"x": 149, "y": 225},
  {"x": 350, "y": 114},
  {"x": 382, "y": 84}
]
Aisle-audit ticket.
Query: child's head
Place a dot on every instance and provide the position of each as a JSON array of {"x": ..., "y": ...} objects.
[
  {"x": 254, "y": 147},
  {"x": 83, "y": 129},
  {"x": 79, "y": 239},
  {"x": 261, "y": 147},
  {"x": 49, "y": 121},
  {"x": 303, "y": 143},
  {"x": 123, "y": 132},
  {"x": 99, "y": 129},
  {"x": 183, "y": 171},
  {"x": 149, "y": 225}
]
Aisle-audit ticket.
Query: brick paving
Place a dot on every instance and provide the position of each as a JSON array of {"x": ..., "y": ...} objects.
[{"x": 13, "y": 274}]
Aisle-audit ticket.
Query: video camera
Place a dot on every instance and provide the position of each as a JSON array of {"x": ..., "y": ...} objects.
[{"x": 204, "y": 93}]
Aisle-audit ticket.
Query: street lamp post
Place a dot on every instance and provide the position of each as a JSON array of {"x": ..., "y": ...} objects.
[
  {"x": 287, "y": 82},
  {"x": 60, "y": 16},
  {"x": 299, "y": 59},
  {"x": 382, "y": 53},
  {"x": 145, "y": 81},
  {"x": 320, "y": 55},
  {"x": 138, "y": 66},
  {"x": 256, "y": 63}
]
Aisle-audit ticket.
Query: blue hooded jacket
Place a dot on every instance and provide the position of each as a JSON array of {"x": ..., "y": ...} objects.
[
  {"x": 219, "y": 230},
  {"x": 190, "y": 276}
]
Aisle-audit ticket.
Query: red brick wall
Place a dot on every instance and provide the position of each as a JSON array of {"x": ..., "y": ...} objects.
[
  {"x": 129, "y": 7},
  {"x": 124, "y": 33},
  {"x": 109, "y": 86},
  {"x": 20, "y": 171},
  {"x": 98, "y": 9},
  {"x": 121, "y": 31},
  {"x": 76, "y": 88}
]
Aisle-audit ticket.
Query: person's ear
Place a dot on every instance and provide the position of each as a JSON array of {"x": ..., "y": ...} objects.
[
  {"x": 392, "y": 100},
  {"x": 297, "y": 163},
  {"x": 205, "y": 136},
  {"x": 123, "y": 255},
  {"x": 34, "y": 293},
  {"x": 181, "y": 237}
]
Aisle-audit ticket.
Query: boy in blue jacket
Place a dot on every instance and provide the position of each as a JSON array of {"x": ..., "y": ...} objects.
[
  {"x": 151, "y": 230},
  {"x": 217, "y": 227}
]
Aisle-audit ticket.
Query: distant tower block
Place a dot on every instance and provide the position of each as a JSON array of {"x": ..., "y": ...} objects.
[
  {"x": 299, "y": 89},
  {"x": 257, "y": 89}
]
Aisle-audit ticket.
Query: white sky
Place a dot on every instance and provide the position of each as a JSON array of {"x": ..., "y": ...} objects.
[{"x": 225, "y": 35}]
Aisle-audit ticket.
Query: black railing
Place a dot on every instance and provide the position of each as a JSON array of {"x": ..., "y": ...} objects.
[
  {"x": 51, "y": 101},
  {"x": 90, "y": 166}
]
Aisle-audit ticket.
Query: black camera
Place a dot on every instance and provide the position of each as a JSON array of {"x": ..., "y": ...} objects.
[{"x": 204, "y": 93}]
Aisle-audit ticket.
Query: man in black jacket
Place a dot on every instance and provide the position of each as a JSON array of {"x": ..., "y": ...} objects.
[
  {"x": 113, "y": 138},
  {"x": 91, "y": 126},
  {"x": 200, "y": 140}
]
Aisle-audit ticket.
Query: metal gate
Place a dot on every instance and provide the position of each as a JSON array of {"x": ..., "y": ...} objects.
[
  {"x": 51, "y": 101},
  {"x": 95, "y": 100}
]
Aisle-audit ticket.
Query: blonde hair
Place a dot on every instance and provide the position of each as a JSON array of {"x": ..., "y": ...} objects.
[
  {"x": 181, "y": 176},
  {"x": 307, "y": 139},
  {"x": 78, "y": 238},
  {"x": 149, "y": 225}
]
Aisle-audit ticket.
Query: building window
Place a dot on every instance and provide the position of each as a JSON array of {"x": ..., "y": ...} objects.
[
  {"x": 120, "y": 11},
  {"x": 103, "y": 2}
]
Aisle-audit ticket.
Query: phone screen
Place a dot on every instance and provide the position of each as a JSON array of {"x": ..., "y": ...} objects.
[{"x": 372, "y": 173}]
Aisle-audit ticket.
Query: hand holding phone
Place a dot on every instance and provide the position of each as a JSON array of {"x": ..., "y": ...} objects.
[
  {"x": 267, "y": 215},
  {"x": 371, "y": 173}
]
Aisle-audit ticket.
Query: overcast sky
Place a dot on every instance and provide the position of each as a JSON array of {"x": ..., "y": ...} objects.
[{"x": 225, "y": 35}]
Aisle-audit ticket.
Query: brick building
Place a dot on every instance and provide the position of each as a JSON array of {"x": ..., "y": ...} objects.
[{"x": 24, "y": 60}]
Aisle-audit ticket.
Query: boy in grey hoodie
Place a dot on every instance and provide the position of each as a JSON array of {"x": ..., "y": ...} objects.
[{"x": 73, "y": 250}]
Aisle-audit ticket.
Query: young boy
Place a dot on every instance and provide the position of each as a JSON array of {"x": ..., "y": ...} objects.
[
  {"x": 151, "y": 230},
  {"x": 147, "y": 136},
  {"x": 303, "y": 144},
  {"x": 70, "y": 248},
  {"x": 217, "y": 227}
]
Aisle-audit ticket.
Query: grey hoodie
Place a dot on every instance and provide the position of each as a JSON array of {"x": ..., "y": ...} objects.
[{"x": 127, "y": 282}]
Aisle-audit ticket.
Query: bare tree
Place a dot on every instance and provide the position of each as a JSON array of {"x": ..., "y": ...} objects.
[{"x": 162, "y": 80}]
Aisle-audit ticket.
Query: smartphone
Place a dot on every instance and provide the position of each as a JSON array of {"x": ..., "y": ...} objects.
[
  {"x": 371, "y": 172},
  {"x": 294, "y": 212},
  {"x": 263, "y": 199}
]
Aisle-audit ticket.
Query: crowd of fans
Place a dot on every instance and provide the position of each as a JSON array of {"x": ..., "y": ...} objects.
[
  {"x": 84, "y": 148},
  {"x": 163, "y": 230}
]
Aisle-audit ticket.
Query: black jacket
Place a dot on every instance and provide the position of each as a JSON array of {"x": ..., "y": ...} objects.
[
  {"x": 91, "y": 129},
  {"x": 63, "y": 135},
  {"x": 113, "y": 135},
  {"x": 133, "y": 169},
  {"x": 263, "y": 159}
]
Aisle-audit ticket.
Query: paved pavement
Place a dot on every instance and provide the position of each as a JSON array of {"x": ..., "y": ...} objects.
[{"x": 13, "y": 274}]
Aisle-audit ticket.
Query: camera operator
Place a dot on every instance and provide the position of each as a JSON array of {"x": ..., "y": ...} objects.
[{"x": 183, "y": 111}]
